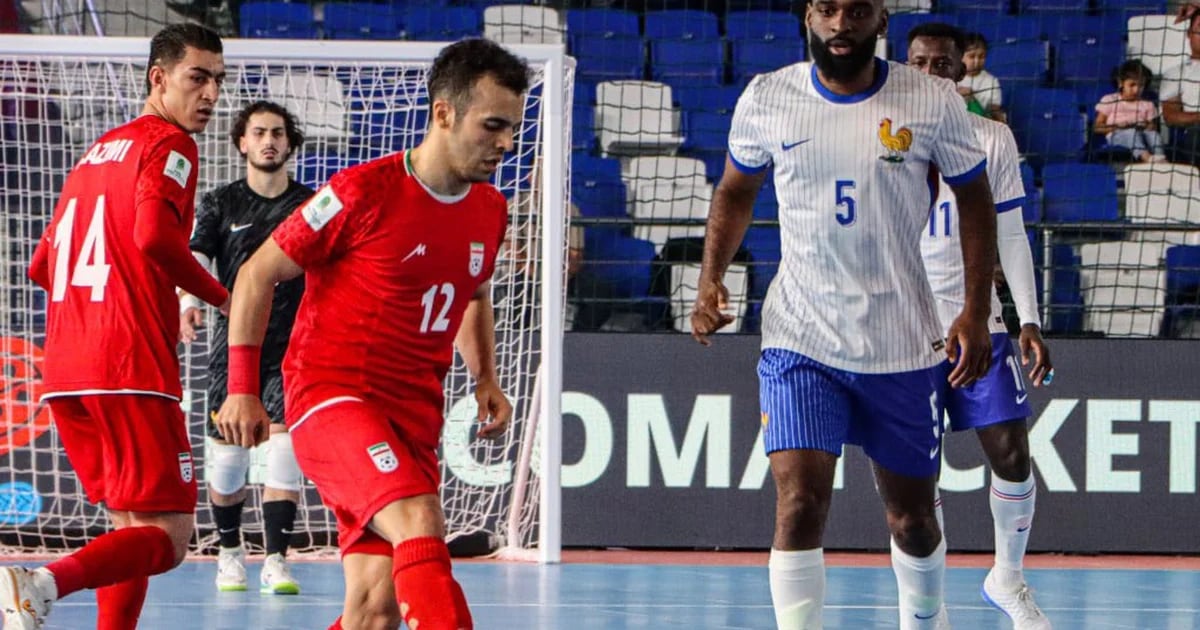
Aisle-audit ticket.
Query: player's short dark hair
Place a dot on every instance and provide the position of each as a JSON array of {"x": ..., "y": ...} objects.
[
  {"x": 290, "y": 126},
  {"x": 975, "y": 40},
  {"x": 170, "y": 45},
  {"x": 459, "y": 65},
  {"x": 940, "y": 30}
]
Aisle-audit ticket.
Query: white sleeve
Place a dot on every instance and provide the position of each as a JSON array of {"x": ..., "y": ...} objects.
[
  {"x": 956, "y": 150},
  {"x": 747, "y": 150},
  {"x": 1171, "y": 85},
  {"x": 995, "y": 96},
  {"x": 1017, "y": 261},
  {"x": 1004, "y": 170}
]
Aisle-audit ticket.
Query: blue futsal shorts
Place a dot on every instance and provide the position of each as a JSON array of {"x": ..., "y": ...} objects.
[
  {"x": 895, "y": 418},
  {"x": 999, "y": 396}
]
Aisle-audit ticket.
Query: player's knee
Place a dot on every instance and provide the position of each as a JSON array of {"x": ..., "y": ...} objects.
[
  {"x": 801, "y": 507},
  {"x": 226, "y": 467},
  {"x": 283, "y": 473},
  {"x": 1007, "y": 448},
  {"x": 917, "y": 534}
]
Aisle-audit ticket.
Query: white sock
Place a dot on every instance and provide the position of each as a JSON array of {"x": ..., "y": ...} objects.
[
  {"x": 797, "y": 588},
  {"x": 920, "y": 584},
  {"x": 1012, "y": 515}
]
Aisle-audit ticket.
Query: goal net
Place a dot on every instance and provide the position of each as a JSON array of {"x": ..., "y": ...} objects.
[{"x": 355, "y": 101}]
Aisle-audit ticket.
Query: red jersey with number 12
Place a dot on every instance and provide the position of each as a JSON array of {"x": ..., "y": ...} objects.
[
  {"x": 113, "y": 316},
  {"x": 390, "y": 268}
]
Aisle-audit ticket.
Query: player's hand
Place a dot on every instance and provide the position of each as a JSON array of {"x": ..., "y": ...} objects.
[
  {"x": 969, "y": 348},
  {"x": 709, "y": 313},
  {"x": 191, "y": 319},
  {"x": 1031, "y": 342},
  {"x": 243, "y": 421},
  {"x": 1186, "y": 11},
  {"x": 495, "y": 412}
]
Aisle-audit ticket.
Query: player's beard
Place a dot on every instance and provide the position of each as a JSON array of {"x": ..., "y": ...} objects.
[
  {"x": 267, "y": 166},
  {"x": 841, "y": 67}
]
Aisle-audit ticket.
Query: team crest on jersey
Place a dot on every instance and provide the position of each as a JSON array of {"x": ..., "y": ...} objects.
[
  {"x": 896, "y": 142},
  {"x": 185, "y": 467},
  {"x": 321, "y": 208},
  {"x": 476, "y": 262},
  {"x": 385, "y": 460},
  {"x": 178, "y": 168}
]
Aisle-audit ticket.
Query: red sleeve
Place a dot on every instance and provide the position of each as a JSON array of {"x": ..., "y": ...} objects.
[
  {"x": 39, "y": 268},
  {"x": 323, "y": 228},
  {"x": 164, "y": 199}
]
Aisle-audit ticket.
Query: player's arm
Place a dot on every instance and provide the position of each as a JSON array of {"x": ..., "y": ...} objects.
[
  {"x": 476, "y": 343},
  {"x": 977, "y": 223},
  {"x": 729, "y": 217},
  {"x": 730, "y": 212},
  {"x": 39, "y": 267},
  {"x": 1017, "y": 261},
  {"x": 242, "y": 419}
]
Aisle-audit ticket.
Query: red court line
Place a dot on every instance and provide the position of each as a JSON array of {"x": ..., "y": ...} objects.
[{"x": 864, "y": 559}]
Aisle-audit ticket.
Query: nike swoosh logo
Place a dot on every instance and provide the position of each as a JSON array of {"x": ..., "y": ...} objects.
[
  {"x": 1021, "y": 398},
  {"x": 1022, "y": 529},
  {"x": 238, "y": 228},
  {"x": 226, "y": 531},
  {"x": 918, "y": 616},
  {"x": 789, "y": 147}
]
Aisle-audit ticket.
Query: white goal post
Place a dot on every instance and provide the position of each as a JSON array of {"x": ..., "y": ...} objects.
[{"x": 355, "y": 100}]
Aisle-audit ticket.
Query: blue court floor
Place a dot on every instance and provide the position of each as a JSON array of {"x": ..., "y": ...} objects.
[{"x": 612, "y": 596}]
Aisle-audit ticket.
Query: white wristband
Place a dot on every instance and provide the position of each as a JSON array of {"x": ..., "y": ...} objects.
[{"x": 189, "y": 301}]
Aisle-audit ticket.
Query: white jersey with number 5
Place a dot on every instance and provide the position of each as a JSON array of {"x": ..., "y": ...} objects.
[
  {"x": 854, "y": 178},
  {"x": 941, "y": 247}
]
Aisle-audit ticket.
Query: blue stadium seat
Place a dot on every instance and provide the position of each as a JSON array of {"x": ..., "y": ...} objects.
[
  {"x": 1079, "y": 192},
  {"x": 583, "y": 126},
  {"x": 1020, "y": 61},
  {"x": 361, "y": 20},
  {"x": 1183, "y": 269},
  {"x": 604, "y": 58},
  {"x": 766, "y": 206},
  {"x": 762, "y": 243},
  {"x": 619, "y": 261},
  {"x": 284, "y": 20},
  {"x": 688, "y": 62},
  {"x": 602, "y": 22},
  {"x": 1078, "y": 7},
  {"x": 707, "y": 98},
  {"x": 681, "y": 24},
  {"x": 1072, "y": 27},
  {"x": 1001, "y": 29},
  {"x": 1087, "y": 62},
  {"x": 762, "y": 25},
  {"x": 751, "y": 57},
  {"x": 442, "y": 23},
  {"x": 1124, "y": 9},
  {"x": 314, "y": 169},
  {"x": 1031, "y": 210},
  {"x": 1065, "y": 310},
  {"x": 596, "y": 186},
  {"x": 962, "y": 6},
  {"x": 898, "y": 27}
]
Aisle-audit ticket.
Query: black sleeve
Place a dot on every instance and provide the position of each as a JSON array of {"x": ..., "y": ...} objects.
[{"x": 206, "y": 238}]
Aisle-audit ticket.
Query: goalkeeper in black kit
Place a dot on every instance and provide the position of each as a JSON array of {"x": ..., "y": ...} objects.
[{"x": 231, "y": 223}]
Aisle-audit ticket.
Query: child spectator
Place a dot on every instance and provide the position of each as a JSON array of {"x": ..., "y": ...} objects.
[
  {"x": 1127, "y": 119},
  {"x": 979, "y": 85}
]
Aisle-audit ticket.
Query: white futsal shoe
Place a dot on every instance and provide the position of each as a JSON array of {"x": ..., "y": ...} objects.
[
  {"x": 231, "y": 570},
  {"x": 1017, "y": 603},
  {"x": 26, "y": 597},
  {"x": 276, "y": 577}
]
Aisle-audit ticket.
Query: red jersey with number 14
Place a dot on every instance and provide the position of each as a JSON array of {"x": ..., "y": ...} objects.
[
  {"x": 113, "y": 316},
  {"x": 390, "y": 268}
]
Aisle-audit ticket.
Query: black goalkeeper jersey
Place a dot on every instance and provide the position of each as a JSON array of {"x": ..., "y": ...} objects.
[{"x": 231, "y": 223}]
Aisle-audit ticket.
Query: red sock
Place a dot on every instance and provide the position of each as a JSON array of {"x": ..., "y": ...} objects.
[
  {"x": 337, "y": 624},
  {"x": 121, "y": 604},
  {"x": 125, "y": 554},
  {"x": 427, "y": 593}
]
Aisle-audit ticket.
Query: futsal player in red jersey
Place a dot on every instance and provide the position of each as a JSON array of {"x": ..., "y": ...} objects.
[
  {"x": 111, "y": 259},
  {"x": 397, "y": 255}
]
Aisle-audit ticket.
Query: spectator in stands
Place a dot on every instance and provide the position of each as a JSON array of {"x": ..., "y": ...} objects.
[
  {"x": 1127, "y": 119},
  {"x": 1179, "y": 94},
  {"x": 980, "y": 87}
]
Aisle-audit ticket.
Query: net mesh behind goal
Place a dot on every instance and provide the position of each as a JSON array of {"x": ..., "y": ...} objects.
[{"x": 57, "y": 103}]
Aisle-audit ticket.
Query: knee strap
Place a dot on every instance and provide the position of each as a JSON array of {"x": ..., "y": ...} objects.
[
  {"x": 283, "y": 473},
  {"x": 226, "y": 467}
]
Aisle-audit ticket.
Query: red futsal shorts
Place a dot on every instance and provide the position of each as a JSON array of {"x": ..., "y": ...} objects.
[
  {"x": 361, "y": 460},
  {"x": 130, "y": 451}
]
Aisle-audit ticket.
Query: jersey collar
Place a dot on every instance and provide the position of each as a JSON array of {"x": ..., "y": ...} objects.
[
  {"x": 440, "y": 198},
  {"x": 881, "y": 74}
]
